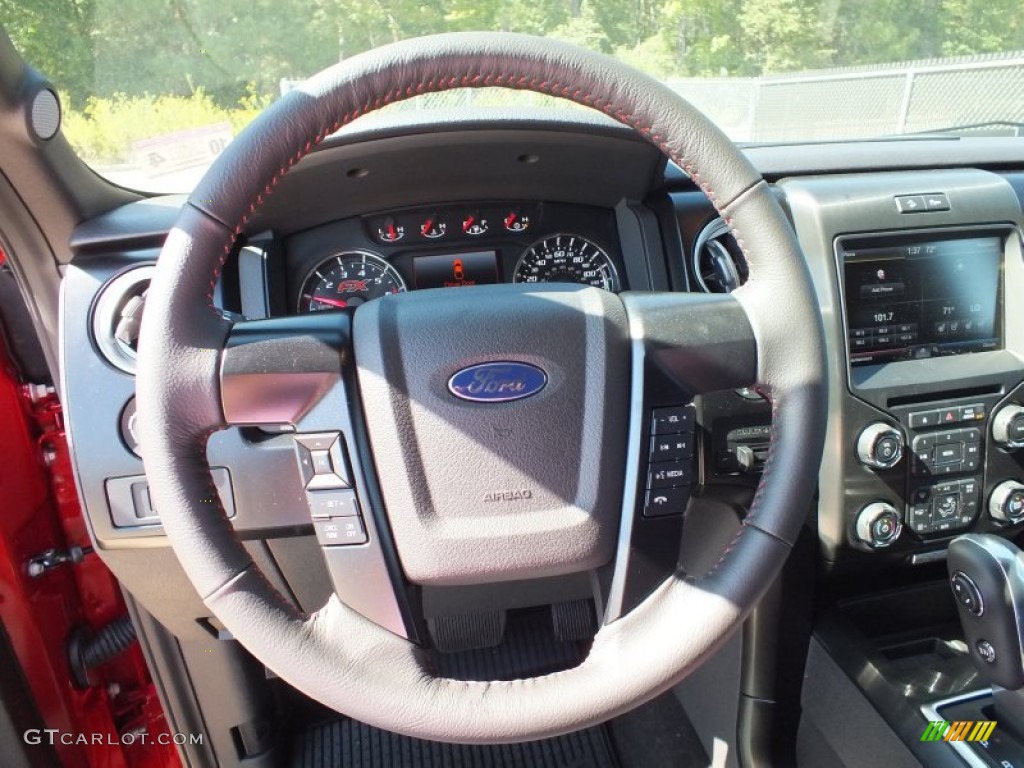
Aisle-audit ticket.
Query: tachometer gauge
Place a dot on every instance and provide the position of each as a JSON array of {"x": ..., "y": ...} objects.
[
  {"x": 567, "y": 259},
  {"x": 348, "y": 280}
]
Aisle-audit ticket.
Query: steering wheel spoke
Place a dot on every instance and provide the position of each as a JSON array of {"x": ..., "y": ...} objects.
[{"x": 298, "y": 371}]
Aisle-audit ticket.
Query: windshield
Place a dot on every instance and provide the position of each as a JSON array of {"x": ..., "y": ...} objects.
[{"x": 153, "y": 91}]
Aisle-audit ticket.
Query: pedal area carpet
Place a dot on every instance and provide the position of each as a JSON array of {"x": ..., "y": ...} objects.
[
  {"x": 350, "y": 744},
  {"x": 656, "y": 735}
]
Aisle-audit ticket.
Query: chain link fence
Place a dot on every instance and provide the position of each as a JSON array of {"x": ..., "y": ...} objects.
[{"x": 980, "y": 94}]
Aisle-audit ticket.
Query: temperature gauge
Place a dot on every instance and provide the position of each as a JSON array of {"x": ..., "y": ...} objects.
[
  {"x": 433, "y": 227},
  {"x": 517, "y": 221},
  {"x": 390, "y": 232},
  {"x": 473, "y": 224}
]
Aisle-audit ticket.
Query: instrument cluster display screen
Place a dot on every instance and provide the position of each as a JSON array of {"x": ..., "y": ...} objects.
[
  {"x": 909, "y": 300},
  {"x": 456, "y": 270}
]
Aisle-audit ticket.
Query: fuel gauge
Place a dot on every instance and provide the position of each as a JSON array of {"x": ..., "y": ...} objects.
[
  {"x": 433, "y": 227},
  {"x": 474, "y": 224},
  {"x": 516, "y": 221},
  {"x": 389, "y": 231}
]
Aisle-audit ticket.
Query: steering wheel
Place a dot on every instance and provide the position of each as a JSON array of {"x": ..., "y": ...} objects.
[{"x": 567, "y": 449}]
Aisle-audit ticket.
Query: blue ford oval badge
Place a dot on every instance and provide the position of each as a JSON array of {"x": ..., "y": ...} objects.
[{"x": 497, "y": 382}]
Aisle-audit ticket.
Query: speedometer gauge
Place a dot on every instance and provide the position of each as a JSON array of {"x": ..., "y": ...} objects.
[
  {"x": 567, "y": 259},
  {"x": 348, "y": 280}
]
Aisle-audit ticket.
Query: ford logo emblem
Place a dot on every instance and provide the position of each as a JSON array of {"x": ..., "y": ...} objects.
[{"x": 497, "y": 382}]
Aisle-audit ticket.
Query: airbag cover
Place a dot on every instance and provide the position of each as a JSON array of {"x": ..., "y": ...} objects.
[{"x": 502, "y": 489}]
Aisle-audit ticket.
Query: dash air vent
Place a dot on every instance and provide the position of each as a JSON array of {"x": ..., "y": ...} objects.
[
  {"x": 117, "y": 315},
  {"x": 718, "y": 261}
]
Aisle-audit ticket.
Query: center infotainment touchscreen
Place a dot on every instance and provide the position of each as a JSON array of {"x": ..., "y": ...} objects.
[{"x": 910, "y": 299}]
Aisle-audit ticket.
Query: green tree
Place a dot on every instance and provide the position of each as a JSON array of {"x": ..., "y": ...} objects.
[{"x": 783, "y": 35}]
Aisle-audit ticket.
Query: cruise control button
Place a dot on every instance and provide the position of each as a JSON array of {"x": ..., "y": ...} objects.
[
  {"x": 332, "y": 503},
  {"x": 669, "y": 474},
  {"x": 662, "y": 502},
  {"x": 678, "y": 418},
  {"x": 342, "y": 531}
]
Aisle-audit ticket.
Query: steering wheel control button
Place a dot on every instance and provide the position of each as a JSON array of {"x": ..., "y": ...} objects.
[
  {"x": 321, "y": 458},
  {"x": 670, "y": 461},
  {"x": 662, "y": 502},
  {"x": 340, "y": 531},
  {"x": 332, "y": 504},
  {"x": 967, "y": 593},
  {"x": 667, "y": 421},
  {"x": 878, "y": 525},
  {"x": 1006, "y": 504},
  {"x": 669, "y": 474},
  {"x": 880, "y": 446},
  {"x": 671, "y": 447}
]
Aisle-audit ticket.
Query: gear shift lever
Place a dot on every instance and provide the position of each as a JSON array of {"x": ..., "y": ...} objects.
[{"x": 987, "y": 576}]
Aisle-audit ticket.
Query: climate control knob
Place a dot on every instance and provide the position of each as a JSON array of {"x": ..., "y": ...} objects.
[
  {"x": 878, "y": 525},
  {"x": 1008, "y": 427},
  {"x": 1006, "y": 504},
  {"x": 880, "y": 446}
]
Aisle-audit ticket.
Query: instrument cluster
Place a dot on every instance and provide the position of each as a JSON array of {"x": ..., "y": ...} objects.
[{"x": 454, "y": 246}]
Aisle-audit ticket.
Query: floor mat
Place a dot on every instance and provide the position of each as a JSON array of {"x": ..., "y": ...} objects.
[
  {"x": 657, "y": 734},
  {"x": 350, "y": 744}
]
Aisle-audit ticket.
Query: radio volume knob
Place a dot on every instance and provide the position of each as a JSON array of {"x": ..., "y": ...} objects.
[
  {"x": 1008, "y": 427},
  {"x": 1006, "y": 504},
  {"x": 878, "y": 525},
  {"x": 880, "y": 446}
]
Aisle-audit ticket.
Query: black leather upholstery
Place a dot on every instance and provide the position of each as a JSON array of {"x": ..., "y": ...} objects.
[{"x": 337, "y": 656}]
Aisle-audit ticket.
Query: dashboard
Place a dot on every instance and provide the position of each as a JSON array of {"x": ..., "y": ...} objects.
[{"x": 915, "y": 270}]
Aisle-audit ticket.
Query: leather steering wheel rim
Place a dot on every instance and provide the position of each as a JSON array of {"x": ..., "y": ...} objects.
[{"x": 335, "y": 655}]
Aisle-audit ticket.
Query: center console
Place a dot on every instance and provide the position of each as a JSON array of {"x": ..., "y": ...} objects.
[
  {"x": 925, "y": 348},
  {"x": 924, "y": 438}
]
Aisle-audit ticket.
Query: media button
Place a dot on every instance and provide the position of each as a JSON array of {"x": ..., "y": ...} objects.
[{"x": 947, "y": 453}]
